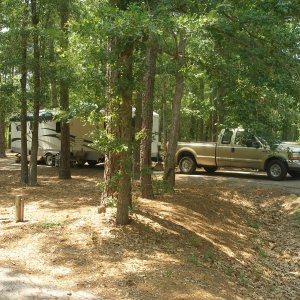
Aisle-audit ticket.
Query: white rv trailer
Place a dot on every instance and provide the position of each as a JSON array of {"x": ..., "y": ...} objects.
[{"x": 81, "y": 144}]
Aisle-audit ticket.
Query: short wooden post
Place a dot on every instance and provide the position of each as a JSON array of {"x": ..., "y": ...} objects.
[{"x": 19, "y": 208}]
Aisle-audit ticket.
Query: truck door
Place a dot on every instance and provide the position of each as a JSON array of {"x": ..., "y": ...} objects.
[
  {"x": 246, "y": 151},
  {"x": 223, "y": 154}
]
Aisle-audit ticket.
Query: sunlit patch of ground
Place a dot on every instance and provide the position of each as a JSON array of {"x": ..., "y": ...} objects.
[{"x": 207, "y": 241}]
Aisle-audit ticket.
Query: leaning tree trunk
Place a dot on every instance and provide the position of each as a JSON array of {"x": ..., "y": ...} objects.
[
  {"x": 23, "y": 81},
  {"x": 170, "y": 164},
  {"x": 2, "y": 137},
  {"x": 147, "y": 119},
  {"x": 64, "y": 167},
  {"x": 125, "y": 121},
  {"x": 36, "y": 96}
]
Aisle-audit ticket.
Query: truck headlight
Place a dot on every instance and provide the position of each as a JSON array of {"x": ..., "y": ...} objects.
[{"x": 294, "y": 156}]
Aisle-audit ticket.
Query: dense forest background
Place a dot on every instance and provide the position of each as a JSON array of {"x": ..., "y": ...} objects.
[{"x": 202, "y": 65}]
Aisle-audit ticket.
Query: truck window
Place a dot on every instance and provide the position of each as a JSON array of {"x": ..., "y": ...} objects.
[
  {"x": 245, "y": 139},
  {"x": 226, "y": 138}
]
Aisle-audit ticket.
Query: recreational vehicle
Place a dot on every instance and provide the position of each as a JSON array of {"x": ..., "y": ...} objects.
[{"x": 81, "y": 144}]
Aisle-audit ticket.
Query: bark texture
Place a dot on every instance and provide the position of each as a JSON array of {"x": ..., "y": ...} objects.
[
  {"x": 147, "y": 119},
  {"x": 36, "y": 96},
  {"x": 111, "y": 166},
  {"x": 64, "y": 167},
  {"x": 125, "y": 117},
  {"x": 2, "y": 137},
  {"x": 23, "y": 82},
  {"x": 170, "y": 164},
  {"x": 137, "y": 144},
  {"x": 53, "y": 81}
]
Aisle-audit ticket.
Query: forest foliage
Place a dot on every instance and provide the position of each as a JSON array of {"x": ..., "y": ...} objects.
[{"x": 227, "y": 63}]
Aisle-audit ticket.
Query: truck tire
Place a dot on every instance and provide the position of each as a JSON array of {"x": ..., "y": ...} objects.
[
  {"x": 187, "y": 165},
  {"x": 294, "y": 174},
  {"x": 276, "y": 169},
  {"x": 49, "y": 160},
  {"x": 210, "y": 170}
]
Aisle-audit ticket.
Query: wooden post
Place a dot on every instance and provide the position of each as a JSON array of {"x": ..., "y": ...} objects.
[{"x": 19, "y": 208}]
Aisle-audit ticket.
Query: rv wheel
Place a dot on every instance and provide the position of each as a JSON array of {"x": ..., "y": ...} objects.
[
  {"x": 49, "y": 160},
  {"x": 92, "y": 163}
]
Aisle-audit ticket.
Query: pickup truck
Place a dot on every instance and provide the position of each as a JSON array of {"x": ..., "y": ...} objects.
[{"x": 238, "y": 148}]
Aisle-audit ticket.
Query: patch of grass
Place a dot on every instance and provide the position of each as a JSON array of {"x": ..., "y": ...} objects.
[
  {"x": 253, "y": 224},
  {"x": 193, "y": 259},
  {"x": 161, "y": 186},
  {"x": 243, "y": 279},
  {"x": 229, "y": 271},
  {"x": 157, "y": 237},
  {"x": 94, "y": 237},
  {"x": 196, "y": 241},
  {"x": 49, "y": 225},
  {"x": 170, "y": 246},
  {"x": 262, "y": 254},
  {"x": 209, "y": 255},
  {"x": 167, "y": 273}
]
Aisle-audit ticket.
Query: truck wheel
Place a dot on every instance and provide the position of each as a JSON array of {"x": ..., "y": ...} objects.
[
  {"x": 276, "y": 169},
  {"x": 187, "y": 165},
  {"x": 294, "y": 174},
  {"x": 210, "y": 170},
  {"x": 49, "y": 160}
]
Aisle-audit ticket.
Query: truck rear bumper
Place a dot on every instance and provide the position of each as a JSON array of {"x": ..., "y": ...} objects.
[{"x": 294, "y": 165}]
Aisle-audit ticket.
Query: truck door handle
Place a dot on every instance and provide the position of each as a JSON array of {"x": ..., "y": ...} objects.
[{"x": 232, "y": 150}]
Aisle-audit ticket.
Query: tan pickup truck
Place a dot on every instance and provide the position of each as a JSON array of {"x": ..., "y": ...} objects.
[{"x": 240, "y": 149}]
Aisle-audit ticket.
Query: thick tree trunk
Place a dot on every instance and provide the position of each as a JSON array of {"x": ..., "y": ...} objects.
[
  {"x": 111, "y": 166},
  {"x": 64, "y": 167},
  {"x": 23, "y": 82},
  {"x": 147, "y": 119},
  {"x": 125, "y": 117},
  {"x": 36, "y": 96},
  {"x": 2, "y": 137},
  {"x": 170, "y": 164}
]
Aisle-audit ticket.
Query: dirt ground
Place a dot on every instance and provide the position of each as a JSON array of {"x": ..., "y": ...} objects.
[{"x": 207, "y": 241}]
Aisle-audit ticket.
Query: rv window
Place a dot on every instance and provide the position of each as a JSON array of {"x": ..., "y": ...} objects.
[
  {"x": 18, "y": 127},
  {"x": 58, "y": 129}
]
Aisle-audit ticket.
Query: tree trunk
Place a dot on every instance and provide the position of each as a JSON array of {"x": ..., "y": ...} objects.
[
  {"x": 170, "y": 164},
  {"x": 2, "y": 137},
  {"x": 23, "y": 82},
  {"x": 64, "y": 167},
  {"x": 111, "y": 166},
  {"x": 125, "y": 117},
  {"x": 36, "y": 96},
  {"x": 147, "y": 119},
  {"x": 137, "y": 144},
  {"x": 200, "y": 135},
  {"x": 53, "y": 82}
]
